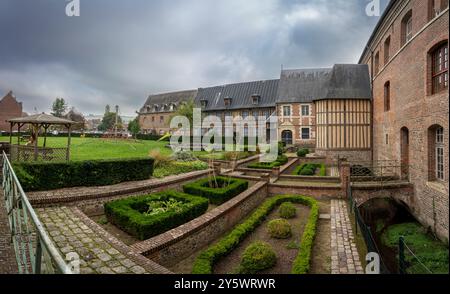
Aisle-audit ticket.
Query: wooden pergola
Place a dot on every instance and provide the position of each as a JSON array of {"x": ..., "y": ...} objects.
[{"x": 37, "y": 122}]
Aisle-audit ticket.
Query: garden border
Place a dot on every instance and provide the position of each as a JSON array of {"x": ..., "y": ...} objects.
[{"x": 205, "y": 261}]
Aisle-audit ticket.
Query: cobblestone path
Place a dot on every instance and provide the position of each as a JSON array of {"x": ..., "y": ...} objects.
[
  {"x": 100, "y": 253},
  {"x": 8, "y": 264},
  {"x": 344, "y": 254}
]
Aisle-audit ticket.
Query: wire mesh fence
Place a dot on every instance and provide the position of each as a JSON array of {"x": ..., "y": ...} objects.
[
  {"x": 378, "y": 171},
  {"x": 28, "y": 154}
]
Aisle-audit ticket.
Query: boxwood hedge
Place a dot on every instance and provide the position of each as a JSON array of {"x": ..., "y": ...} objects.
[
  {"x": 281, "y": 160},
  {"x": 128, "y": 214},
  {"x": 228, "y": 188},
  {"x": 309, "y": 169},
  {"x": 49, "y": 176},
  {"x": 206, "y": 259}
]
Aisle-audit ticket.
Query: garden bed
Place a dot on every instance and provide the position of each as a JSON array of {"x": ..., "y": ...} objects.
[
  {"x": 281, "y": 160},
  {"x": 146, "y": 216},
  {"x": 310, "y": 169},
  {"x": 218, "y": 190},
  {"x": 222, "y": 255}
]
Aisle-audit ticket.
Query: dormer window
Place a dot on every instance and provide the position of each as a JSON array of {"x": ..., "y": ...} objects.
[
  {"x": 155, "y": 108},
  {"x": 148, "y": 108},
  {"x": 204, "y": 103},
  {"x": 227, "y": 101},
  {"x": 255, "y": 99}
]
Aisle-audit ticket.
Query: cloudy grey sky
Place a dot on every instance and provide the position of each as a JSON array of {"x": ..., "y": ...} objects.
[{"x": 120, "y": 51}]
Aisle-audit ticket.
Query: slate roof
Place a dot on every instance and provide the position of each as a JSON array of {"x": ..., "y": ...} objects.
[
  {"x": 241, "y": 95},
  {"x": 169, "y": 98},
  {"x": 343, "y": 81}
]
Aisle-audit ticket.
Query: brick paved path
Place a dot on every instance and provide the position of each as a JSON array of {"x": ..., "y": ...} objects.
[
  {"x": 100, "y": 253},
  {"x": 344, "y": 254},
  {"x": 8, "y": 264}
]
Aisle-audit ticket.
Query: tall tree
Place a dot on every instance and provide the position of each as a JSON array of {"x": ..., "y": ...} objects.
[
  {"x": 134, "y": 127},
  {"x": 108, "y": 121},
  {"x": 187, "y": 110},
  {"x": 59, "y": 107}
]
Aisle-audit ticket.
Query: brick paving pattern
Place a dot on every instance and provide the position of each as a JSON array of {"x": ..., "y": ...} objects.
[
  {"x": 8, "y": 264},
  {"x": 68, "y": 230},
  {"x": 344, "y": 254}
]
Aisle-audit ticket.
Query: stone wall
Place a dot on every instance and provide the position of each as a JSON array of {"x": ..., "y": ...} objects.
[{"x": 169, "y": 248}]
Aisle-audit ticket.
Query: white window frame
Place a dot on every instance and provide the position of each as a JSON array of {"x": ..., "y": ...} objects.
[
  {"x": 440, "y": 168},
  {"x": 305, "y": 106},
  {"x": 408, "y": 30},
  {"x": 290, "y": 110},
  {"x": 309, "y": 133}
]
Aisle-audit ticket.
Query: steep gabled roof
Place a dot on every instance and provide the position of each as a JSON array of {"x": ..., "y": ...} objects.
[
  {"x": 241, "y": 95},
  {"x": 168, "y": 98},
  {"x": 342, "y": 81}
]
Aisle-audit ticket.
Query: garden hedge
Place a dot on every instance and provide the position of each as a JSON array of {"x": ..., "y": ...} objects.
[
  {"x": 216, "y": 196},
  {"x": 49, "y": 176},
  {"x": 281, "y": 160},
  {"x": 206, "y": 259},
  {"x": 309, "y": 169},
  {"x": 128, "y": 215}
]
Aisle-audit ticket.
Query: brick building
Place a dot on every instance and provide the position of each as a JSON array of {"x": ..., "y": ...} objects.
[
  {"x": 154, "y": 116},
  {"x": 9, "y": 108},
  {"x": 408, "y": 58}
]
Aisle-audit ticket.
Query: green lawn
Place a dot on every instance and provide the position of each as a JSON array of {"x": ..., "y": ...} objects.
[{"x": 91, "y": 148}]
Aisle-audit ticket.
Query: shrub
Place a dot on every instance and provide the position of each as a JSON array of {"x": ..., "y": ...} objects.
[
  {"x": 39, "y": 176},
  {"x": 279, "y": 229},
  {"x": 307, "y": 171},
  {"x": 257, "y": 257},
  {"x": 281, "y": 160},
  {"x": 206, "y": 259},
  {"x": 149, "y": 215},
  {"x": 160, "y": 158},
  {"x": 302, "y": 152},
  {"x": 287, "y": 210},
  {"x": 184, "y": 156},
  {"x": 227, "y": 188},
  {"x": 179, "y": 167}
]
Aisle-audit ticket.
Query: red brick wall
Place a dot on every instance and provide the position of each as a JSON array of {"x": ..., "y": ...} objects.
[
  {"x": 296, "y": 121},
  {"x": 413, "y": 107},
  {"x": 9, "y": 108}
]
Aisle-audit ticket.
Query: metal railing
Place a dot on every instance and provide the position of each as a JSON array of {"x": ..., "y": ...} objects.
[
  {"x": 35, "y": 251},
  {"x": 408, "y": 262},
  {"x": 378, "y": 171},
  {"x": 364, "y": 230}
]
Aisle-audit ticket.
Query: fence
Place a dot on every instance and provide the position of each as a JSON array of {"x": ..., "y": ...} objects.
[
  {"x": 28, "y": 154},
  {"x": 408, "y": 262},
  {"x": 378, "y": 171},
  {"x": 365, "y": 231},
  {"x": 35, "y": 251}
]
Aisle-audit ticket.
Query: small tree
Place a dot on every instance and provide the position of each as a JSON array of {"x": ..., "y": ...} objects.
[
  {"x": 59, "y": 107},
  {"x": 108, "y": 121},
  {"x": 186, "y": 110},
  {"x": 134, "y": 127}
]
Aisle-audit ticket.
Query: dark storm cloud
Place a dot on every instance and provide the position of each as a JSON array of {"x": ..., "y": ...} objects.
[{"x": 118, "y": 52}]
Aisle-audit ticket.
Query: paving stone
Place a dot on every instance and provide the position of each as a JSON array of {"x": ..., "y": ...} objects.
[
  {"x": 121, "y": 270},
  {"x": 104, "y": 257},
  {"x": 137, "y": 269},
  {"x": 105, "y": 270}
]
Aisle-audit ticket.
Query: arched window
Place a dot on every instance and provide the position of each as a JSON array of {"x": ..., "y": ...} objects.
[
  {"x": 377, "y": 62},
  {"x": 387, "y": 96},
  {"x": 387, "y": 50},
  {"x": 439, "y": 68},
  {"x": 407, "y": 32},
  {"x": 286, "y": 137},
  {"x": 436, "y": 153},
  {"x": 432, "y": 11}
]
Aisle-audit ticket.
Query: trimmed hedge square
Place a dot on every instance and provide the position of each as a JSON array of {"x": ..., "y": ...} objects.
[
  {"x": 281, "y": 160},
  {"x": 129, "y": 214},
  {"x": 228, "y": 188},
  {"x": 38, "y": 176}
]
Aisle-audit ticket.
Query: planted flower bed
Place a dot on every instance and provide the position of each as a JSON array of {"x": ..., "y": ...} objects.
[
  {"x": 206, "y": 260},
  {"x": 310, "y": 169},
  {"x": 146, "y": 216},
  {"x": 218, "y": 190},
  {"x": 281, "y": 160}
]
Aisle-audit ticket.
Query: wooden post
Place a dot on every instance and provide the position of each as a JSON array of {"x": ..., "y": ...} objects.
[
  {"x": 45, "y": 135},
  {"x": 36, "y": 129},
  {"x": 68, "y": 143},
  {"x": 18, "y": 133},
  {"x": 10, "y": 132}
]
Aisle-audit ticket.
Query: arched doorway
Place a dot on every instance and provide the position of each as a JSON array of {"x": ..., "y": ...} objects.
[
  {"x": 286, "y": 137},
  {"x": 404, "y": 152}
]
